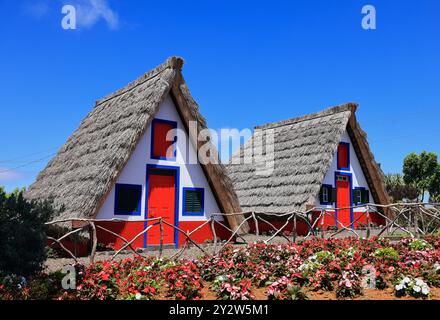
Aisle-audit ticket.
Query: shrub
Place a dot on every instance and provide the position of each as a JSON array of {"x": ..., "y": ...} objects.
[
  {"x": 387, "y": 253},
  {"x": 22, "y": 235},
  {"x": 349, "y": 286},
  {"x": 419, "y": 244},
  {"x": 183, "y": 282},
  {"x": 284, "y": 289},
  {"x": 433, "y": 276},
  {"x": 230, "y": 288},
  {"x": 413, "y": 287}
]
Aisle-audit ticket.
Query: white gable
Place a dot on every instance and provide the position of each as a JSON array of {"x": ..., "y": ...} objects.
[
  {"x": 191, "y": 175},
  {"x": 358, "y": 177}
]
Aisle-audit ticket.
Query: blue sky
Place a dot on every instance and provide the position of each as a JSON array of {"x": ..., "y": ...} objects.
[{"x": 247, "y": 63}]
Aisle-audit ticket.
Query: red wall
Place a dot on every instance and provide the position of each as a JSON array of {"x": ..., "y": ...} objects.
[
  {"x": 129, "y": 229},
  {"x": 301, "y": 227},
  {"x": 203, "y": 233},
  {"x": 329, "y": 219},
  {"x": 126, "y": 229}
]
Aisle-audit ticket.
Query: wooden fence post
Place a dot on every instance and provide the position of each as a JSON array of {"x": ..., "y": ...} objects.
[
  {"x": 257, "y": 229},
  {"x": 214, "y": 233},
  {"x": 161, "y": 237},
  {"x": 94, "y": 243},
  {"x": 416, "y": 224},
  {"x": 294, "y": 228},
  {"x": 368, "y": 222}
]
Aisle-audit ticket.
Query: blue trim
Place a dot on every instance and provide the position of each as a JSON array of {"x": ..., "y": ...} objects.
[
  {"x": 329, "y": 196},
  {"x": 153, "y": 124},
  {"x": 176, "y": 199},
  {"x": 348, "y": 157},
  {"x": 184, "y": 213},
  {"x": 347, "y": 174},
  {"x": 116, "y": 203},
  {"x": 354, "y": 200}
]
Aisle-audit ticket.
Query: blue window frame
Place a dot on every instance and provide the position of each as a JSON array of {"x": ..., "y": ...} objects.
[
  {"x": 326, "y": 194},
  {"x": 347, "y": 159},
  {"x": 193, "y": 202},
  {"x": 128, "y": 198},
  {"x": 155, "y": 139},
  {"x": 360, "y": 196}
]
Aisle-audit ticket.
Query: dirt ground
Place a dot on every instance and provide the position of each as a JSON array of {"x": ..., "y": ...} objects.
[{"x": 369, "y": 294}]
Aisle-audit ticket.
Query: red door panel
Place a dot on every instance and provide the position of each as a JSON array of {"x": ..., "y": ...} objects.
[
  {"x": 161, "y": 203},
  {"x": 343, "y": 199}
]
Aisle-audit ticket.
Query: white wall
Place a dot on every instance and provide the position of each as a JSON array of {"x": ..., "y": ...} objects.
[
  {"x": 191, "y": 175},
  {"x": 358, "y": 177}
]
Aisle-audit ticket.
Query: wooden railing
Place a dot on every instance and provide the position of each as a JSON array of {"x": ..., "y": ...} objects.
[{"x": 414, "y": 219}]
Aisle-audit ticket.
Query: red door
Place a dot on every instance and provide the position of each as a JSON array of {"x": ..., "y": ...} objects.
[
  {"x": 161, "y": 203},
  {"x": 343, "y": 199}
]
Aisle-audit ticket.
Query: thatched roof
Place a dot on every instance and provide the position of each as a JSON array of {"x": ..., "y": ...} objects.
[
  {"x": 303, "y": 151},
  {"x": 81, "y": 175}
]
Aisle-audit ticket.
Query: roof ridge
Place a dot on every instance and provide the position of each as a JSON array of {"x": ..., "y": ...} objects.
[
  {"x": 173, "y": 62},
  {"x": 350, "y": 106}
]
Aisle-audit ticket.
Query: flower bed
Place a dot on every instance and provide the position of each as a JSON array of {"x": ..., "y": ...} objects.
[{"x": 343, "y": 268}]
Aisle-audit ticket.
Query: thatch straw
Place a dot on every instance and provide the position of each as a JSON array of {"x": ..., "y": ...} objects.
[
  {"x": 303, "y": 151},
  {"x": 81, "y": 175}
]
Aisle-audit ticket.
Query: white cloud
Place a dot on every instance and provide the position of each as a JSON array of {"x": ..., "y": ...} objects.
[
  {"x": 10, "y": 175},
  {"x": 89, "y": 12}
]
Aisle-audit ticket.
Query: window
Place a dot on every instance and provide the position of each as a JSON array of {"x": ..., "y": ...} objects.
[
  {"x": 193, "y": 201},
  {"x": 327, "y": 194},
  {"x": 361, "y": 196},
  {"x": 128, "y": 199},
  {"x": 163, "y": 139},
  {"x": 344, "y": 156}
]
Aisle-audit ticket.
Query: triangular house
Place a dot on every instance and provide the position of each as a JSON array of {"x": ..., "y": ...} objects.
[
  {"x": 120, "y": 164},
  {"x": 321, "y": 161}
]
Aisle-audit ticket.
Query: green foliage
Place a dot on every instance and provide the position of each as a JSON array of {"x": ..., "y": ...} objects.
[
  {"x": 434, "y": 187},
  {"x": 295, "y": 292},
  {"x": 22, "y": 235},
  {"x": 324, "y": 256},
  {"x": 387, "y": 253},
  {"x": 398, "y": 189},
  {"x": 423, "y": 173},
  {"x": 419, "y": 244}
]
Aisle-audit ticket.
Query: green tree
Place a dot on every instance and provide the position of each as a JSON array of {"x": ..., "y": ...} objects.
[
  {"x": 22, "y": 233},
  {"x": 420, "y": 172},
  {"x": 434, "y": 187},
  {"x": 398, "y": 190}
]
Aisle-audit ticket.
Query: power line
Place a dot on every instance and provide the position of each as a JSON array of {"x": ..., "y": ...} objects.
[
  {"x": 26, "y": 156},
  {"x": 28, "y": 163}
]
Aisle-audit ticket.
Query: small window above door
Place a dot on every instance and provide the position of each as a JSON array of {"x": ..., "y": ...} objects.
[
  {"x": 163, "y": 139},
  {"x": 343, "y": 156}
]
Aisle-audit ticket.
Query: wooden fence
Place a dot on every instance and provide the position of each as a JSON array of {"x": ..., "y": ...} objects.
[{"x": 413, "y": 219}]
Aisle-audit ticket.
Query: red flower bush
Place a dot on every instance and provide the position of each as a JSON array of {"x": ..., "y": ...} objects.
[
  {"x": 183, "y": 281},
  {"x": 230, "y": 288},
  {"x": 287, "y": 270}
]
